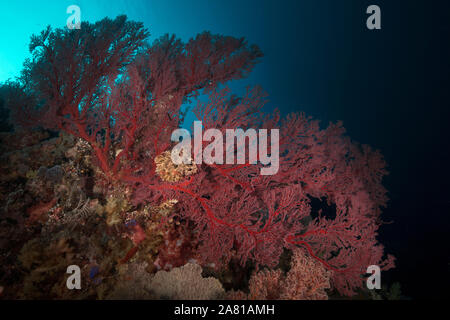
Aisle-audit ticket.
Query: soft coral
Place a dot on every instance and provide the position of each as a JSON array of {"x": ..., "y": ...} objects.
[{"x": 102, "y": 84}]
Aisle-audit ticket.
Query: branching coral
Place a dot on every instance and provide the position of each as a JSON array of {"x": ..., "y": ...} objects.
[
  {"x": 103, "y": 85},
  {"x": 170, "y": 172}
]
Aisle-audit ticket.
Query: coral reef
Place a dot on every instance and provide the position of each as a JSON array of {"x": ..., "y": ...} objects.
[
  {"x": 307, "y": 279},
  {"x": 87, "y": 178}
]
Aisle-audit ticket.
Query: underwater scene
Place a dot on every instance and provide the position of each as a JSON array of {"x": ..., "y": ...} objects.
[{"x": 224, "y": 150}]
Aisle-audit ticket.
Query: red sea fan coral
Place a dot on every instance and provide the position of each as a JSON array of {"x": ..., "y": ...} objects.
[
  {"x": 242, "y": 214},
  {"x": 105, "y": 85}
]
